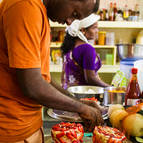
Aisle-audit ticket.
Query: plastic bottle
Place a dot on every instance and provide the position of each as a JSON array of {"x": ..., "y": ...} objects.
[{"x": 133, "y": 93}]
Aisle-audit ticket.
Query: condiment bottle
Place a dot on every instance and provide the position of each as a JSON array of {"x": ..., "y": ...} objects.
[
  {"x": 101, "y": 37},
  {"x": 111, "y": 12},
  {"x": 126, "y": 13},
  {"x": 115, "y": 11},
  {"x": 133, "y": 93}
]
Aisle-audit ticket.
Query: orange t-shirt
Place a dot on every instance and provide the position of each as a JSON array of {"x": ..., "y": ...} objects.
[{"x": 24, "y": 43}]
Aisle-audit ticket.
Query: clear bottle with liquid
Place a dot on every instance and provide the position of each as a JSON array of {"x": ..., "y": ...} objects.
[
  {"x": 133, "y": 93},
  {"x": 126, "y": 12},
  {"x": 111, "y": 12}
]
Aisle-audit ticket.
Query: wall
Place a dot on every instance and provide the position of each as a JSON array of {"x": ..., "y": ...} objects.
[
  {"x": 141, "y": 7},
  {"x": 107, "y": 77}
]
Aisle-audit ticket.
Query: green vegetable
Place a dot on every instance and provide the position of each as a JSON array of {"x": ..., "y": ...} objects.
[{"x": 139, "y": 139}]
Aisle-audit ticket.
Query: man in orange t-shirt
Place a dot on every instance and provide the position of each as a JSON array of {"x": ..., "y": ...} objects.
[{"x": 24, "y": 66}]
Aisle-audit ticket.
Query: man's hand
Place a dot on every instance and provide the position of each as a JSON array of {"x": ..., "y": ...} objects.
[
  {"x": 91, "y": 118},
  {"x": 92, "y": 104}
]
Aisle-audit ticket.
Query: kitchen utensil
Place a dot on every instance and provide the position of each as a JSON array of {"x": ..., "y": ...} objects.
[
  {"x": 130, "y": 51},
  {"x": 71, "y": 116},
  {"x": 86, "y": 92},
  {"x": 64, "y": 115},
  {"x": 113, "y": 95}
]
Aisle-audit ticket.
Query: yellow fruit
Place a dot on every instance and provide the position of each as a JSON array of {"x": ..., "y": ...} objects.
[
  {"x": 114, "y": 107},
  {"x": 133, "y": 125},
  {"x": 116, "y": 117}
]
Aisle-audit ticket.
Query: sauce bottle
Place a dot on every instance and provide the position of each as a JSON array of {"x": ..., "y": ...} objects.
[
  {"x": 115, "y": 10},
  {"x": 111, "y": 12},
  {"x": 126, "y": 13},
  {"x": 133, "y": 93}
]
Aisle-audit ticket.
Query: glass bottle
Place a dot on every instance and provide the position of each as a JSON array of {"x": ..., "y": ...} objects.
[
  {"x": 115, "y": 11},
  {"x": 133, "y": 93},
  {"x": 137, "y": 12},
  {"x": 101, "y": 16},
  {"x": 111, "y": 12},
  {"x": 141, "y": 97},
  {"x": 126, "y": 12}
]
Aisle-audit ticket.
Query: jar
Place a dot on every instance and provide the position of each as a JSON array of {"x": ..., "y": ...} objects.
[
  {"x": 61, "y": 36},
  {"x": 101, "y": 37},
  {"x": 110, "y": 38}
]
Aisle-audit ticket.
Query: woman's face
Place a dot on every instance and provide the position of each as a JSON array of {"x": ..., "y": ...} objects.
[{"x": 91, "y": 33}]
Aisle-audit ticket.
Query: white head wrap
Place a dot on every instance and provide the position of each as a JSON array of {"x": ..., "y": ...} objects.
[{"x": 77, "y": 25}]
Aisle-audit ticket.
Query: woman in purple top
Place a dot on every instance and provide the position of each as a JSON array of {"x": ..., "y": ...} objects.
[{"x": 80, "y": 60}]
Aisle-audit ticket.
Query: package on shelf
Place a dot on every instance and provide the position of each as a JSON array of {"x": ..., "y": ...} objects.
[{"x": 56, "y": 56}]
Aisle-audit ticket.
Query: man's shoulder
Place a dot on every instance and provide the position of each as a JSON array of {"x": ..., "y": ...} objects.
[{"x": 7, "y": 4}]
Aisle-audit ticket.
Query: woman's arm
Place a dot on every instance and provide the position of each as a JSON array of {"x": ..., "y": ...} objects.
[{"x": 93, "y": 79}]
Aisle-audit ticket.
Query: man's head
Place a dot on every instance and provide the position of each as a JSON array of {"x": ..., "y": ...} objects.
[{"x": 65, "y": 11}]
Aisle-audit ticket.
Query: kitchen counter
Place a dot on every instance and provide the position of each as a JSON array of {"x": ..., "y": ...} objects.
[
  {"x": 49, "y": 122},
  {"x": 48, "y": 139}
]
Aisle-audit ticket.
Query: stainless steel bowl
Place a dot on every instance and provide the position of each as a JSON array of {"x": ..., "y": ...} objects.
[
  {"x": 113, "y": 95},
  {"x": 86, "y": 91},
  {"x": 130, "y": 51}
]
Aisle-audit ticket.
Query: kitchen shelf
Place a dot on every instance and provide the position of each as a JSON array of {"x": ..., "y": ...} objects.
[
  {"x": 109, "y": 24},
  {"x": 120, "y": 24},
  {"x": 113, "y": 47},
  {"x": 58, "y": 45},
  {"x": 103, "y": 69}
]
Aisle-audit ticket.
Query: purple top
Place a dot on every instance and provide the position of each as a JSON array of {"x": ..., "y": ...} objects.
[{"x": 81, "y": 57}]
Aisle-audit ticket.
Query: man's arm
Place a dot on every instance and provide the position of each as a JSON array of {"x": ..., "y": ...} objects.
[
  {"x": 58, "y": 87},
  {"x": 36, "y": 88}
]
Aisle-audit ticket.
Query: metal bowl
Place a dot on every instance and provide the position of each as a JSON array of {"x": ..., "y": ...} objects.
[
  {"x": 113, "y": 95},
  {"x": 130, "y": 51},
  {"x": 86, "y": 91}
]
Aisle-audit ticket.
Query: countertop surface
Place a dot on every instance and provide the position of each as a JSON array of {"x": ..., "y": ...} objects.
[
  {"x": 85, "y": 140},
  {"x": 49, "y": 122}
]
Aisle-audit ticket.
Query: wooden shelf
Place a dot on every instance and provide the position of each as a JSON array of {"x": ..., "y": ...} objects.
[
  {"x": 109, "y": 24},
  {"x": 103, "y": 69}
]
